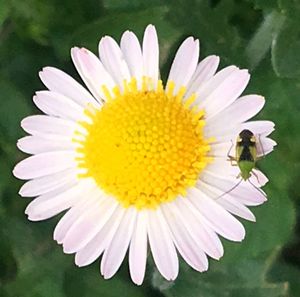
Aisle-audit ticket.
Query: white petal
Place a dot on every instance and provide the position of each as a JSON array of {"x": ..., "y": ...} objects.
[
  {"x": 227, "y": 201},
  {"x": 222, "y": 149},
  {"x": 185, "y": 244},
  {"x": 161, "y": 244},
  {"x": 115, "y": 252},
  {"x": 112, "y": 58},
  {"x": 138, "y": 249},
  {"x": 204, "y": 90},
  {"x": 238, "y": 112},
  {"x": 222, "y": 167},
  {"x": 151, "y": 55},
  {"x": 236, "y": 208},
  {"x": 205, "y": 237},
  {"x": 264, "y": 146},
  {"x": 37, "y": 145},
  {"x": 60, "y": 82},
  {"x": 92, "y": 72},
  {"x": 218, "y": 218},
  {"x": 48, "y": 183},
  {"x": 51, "y": 204},
  {"x": 204, "y": 71},
  {"x": 132, "y": 52},
  {"x": 42, "y": 124},
  {"x": 44, "y": 164},
  {"x": 259, "y": 128},
  {"x": 100, "y": 242},
  {"x": 258, "y": 178},
  {"x": 74, "y": 213},
  {"x": 55, "y": 104},
  {"x": 185, "y": 63},
  {"x": 89, "y": 224},
  {"x": 225, "y": 93},
  {"x": 245, "y": 192},
  {"x": 262, "y": 128}
]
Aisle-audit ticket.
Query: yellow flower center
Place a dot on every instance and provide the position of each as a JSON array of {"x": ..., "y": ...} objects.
[{"x": 144, "y": 147}]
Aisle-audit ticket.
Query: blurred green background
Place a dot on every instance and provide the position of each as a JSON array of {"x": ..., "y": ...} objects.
[{"x": 261, "y": 35}]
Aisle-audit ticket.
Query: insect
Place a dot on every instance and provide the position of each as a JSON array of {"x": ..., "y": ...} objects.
[
  {"x": 245, "y": 153},
  {"x": 245, "y": 158}
]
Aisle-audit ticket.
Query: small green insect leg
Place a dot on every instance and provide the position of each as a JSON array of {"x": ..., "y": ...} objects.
[{"x": 252, "y": 172}]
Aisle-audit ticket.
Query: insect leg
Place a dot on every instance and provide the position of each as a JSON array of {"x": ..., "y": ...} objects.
[
  {"x": 257, "y": 188},
  {"x": 261, "y": 146},
  {"x": 230, "y": 190},
  {"x": 231, "y": 158},
  {"x": 252, "y": 172},
  {"x": 228, "y": 153}
]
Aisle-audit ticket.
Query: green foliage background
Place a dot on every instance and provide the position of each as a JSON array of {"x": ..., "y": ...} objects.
[{"x": 262, "y": 35}]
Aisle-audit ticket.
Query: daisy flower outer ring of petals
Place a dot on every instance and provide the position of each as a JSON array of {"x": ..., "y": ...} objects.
[{"x": 134, "y": 161}]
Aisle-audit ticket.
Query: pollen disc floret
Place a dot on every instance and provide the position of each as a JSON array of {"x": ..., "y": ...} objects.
[
  {"x": 144, "y": 147},
  {"x": 136, "y": 165}
]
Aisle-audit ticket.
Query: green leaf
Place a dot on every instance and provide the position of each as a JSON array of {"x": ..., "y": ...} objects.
[
  {"x": 286, "y": 49},
  {"x": 265, "y": 4},
  {"x": 282, "y": 272},
  {"x": 247, "y": 278},
  {"x": 276, "y": 218},
  {"x": 261, "y": 42},
  {"x": 129, "y": 4},
  {"x": 4, "y": 12},
  {"x": 290, "y": 7},
  {"x": 86, "y": 282},
  {"x": 40, "y": 264},
  {"x": 211, "y": 23},
  {"x": 13, "y": 107},
  {"x": 115, "y": 24}
]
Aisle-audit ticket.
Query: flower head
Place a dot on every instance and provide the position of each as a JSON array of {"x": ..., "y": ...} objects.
[{"x": 134, "y": 160}]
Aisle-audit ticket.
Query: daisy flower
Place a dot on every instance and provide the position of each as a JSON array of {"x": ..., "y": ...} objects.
[{"x": 138, "y": 164}]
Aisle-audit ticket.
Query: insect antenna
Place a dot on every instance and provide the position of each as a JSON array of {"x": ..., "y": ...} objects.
[
  {"x": 230, "y": 190},
  {"x": 228, "y": 153},
  {"x": 261, "y": 146},
  {"x": 257, "y": 188}
]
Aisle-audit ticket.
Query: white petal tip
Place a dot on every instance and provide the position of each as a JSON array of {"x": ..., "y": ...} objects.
[
  {"x": 74, "y": 51},
  {"x": 34, "y": 217},
  {"x": 75, "y": 48},
  {"x": 68, "y": 250},
  {"x": 240, "y": 237},
  {"x": 46, "y": 68},
  {"x": 22, "y": 192},
  {"x": 35, "y": 97},
  {"x": 203, "y": 269},
  {"x": 137, "y": 282},
  {"x": 56, "y": 237},
  {"x": 77, "y": 263},
  {"x": 17, "y": 172},
  {"x": 106, "y": 274},
  {"x": 150, "y": 26},
  {"x": 59, "y": 241},
  {"x": 150, "y": 29}
]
